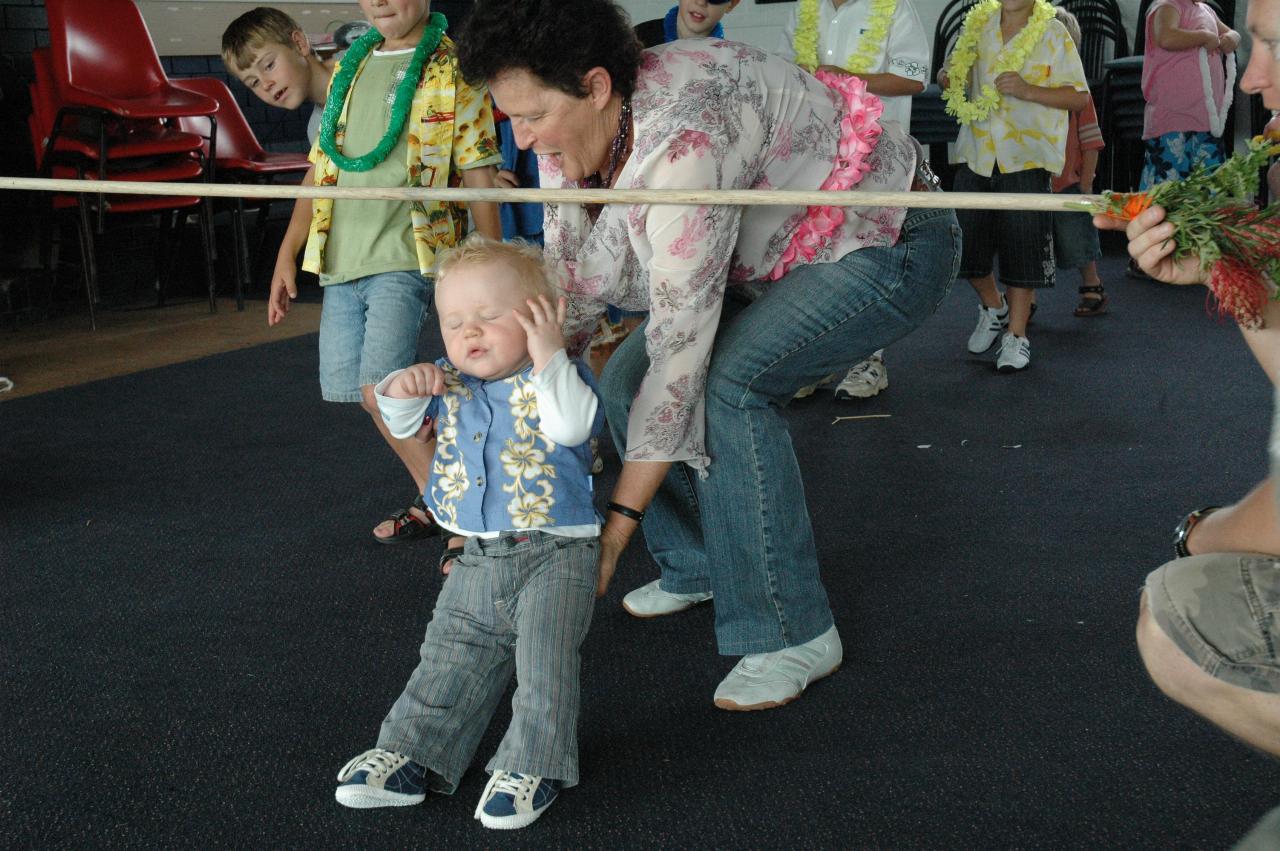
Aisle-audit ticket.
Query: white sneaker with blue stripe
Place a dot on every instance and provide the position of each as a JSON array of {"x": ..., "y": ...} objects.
[
  {"x": 514, "y": 800},
  {"x": 381, "y": 778}
]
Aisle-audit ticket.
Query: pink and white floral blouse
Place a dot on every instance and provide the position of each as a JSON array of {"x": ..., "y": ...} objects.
[{"x": 712, "y": 114}]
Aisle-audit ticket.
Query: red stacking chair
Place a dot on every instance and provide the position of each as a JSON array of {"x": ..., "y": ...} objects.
[
  {"x": 84, "y": 133},
  {"x": 241, "y": 159},
  {"x": 103, "y": 58},
  {"x": 64, "y": 156}
]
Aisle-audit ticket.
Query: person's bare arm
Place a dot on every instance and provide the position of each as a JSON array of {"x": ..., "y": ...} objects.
[
  {"x": 1088, "y": 170},
  {"x": 883, "y": 85},
  {"x": 1251, "y": 525},
  {"x": 1167, "y": 34},
  {"x": 1228, "y": 39},
  {"x": 284, "y": 278},
  {"x": 484, "y": 214},
  {"x": 636, "y": 486},
  {"x": 1057, "y": 97}
]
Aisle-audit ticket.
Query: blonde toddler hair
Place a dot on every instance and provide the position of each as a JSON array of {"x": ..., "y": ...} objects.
[{"x": 522, "y": 258}]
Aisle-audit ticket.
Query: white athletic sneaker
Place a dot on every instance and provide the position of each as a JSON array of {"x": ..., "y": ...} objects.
[
  {"x": 1015, "y": 353},
  {"x": 766, "y": 680},
  {"x": 864, "y": 380},
  {"x": 809, "y": 389},
  {"x": 650, "y": 601},
  {"x": 991, "y": 322}
]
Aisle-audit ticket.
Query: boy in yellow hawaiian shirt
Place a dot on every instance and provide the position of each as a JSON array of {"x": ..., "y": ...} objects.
[
  {"x": 398, "y": 114},
  {"x": 1023, "y": 76}
]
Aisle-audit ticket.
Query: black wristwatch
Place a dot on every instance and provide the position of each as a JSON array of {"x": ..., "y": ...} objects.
[{"x": 1183, "y": 530}]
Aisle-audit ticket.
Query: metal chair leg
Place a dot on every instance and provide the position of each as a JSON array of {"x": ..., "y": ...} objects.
[
  {"x": 244, "y": 269},
  {"x": 164, "y": 252},
  {"x": 206, "y": 229},
  {"x": 87, "y": 266}
]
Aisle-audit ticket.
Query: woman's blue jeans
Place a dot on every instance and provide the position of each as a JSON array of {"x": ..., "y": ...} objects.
[{"x": 743, "y": 532}]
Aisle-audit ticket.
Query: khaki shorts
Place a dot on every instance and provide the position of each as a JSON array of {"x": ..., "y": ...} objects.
[{"x": 1223, "y": 611}]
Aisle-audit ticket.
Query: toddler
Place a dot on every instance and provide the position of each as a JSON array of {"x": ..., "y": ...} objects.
[{"x": 511, "y": 475}]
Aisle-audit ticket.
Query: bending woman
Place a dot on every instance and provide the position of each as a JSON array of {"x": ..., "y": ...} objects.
[{"x": 694, "y": 398}]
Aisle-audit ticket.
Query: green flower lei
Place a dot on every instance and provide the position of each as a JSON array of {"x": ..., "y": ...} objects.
[
  {"x": 870, "y": 44},
  {"x": 337, "y": 99},
  {"x": 1011, "y": 58}
]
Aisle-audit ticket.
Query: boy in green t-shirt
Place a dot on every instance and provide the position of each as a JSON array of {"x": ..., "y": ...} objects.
[{"x": 397, "y": 114}]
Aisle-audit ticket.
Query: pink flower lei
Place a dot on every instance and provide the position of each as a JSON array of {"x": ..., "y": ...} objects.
[{"x": 859, "y": 131}]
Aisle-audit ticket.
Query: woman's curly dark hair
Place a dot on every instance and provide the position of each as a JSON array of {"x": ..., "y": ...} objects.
[{"x": 558, "y": 41}]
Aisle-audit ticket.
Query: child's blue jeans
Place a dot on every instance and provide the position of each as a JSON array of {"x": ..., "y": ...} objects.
[{"x": 519, "y": 604}]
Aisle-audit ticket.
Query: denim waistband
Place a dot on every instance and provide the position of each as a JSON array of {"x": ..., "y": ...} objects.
[{"x": 517, "y": 538}]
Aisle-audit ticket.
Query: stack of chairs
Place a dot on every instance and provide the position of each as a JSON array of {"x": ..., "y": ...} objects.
[
  {"x": 104, "y": 109},
  {"x": 240, "y": 159}
]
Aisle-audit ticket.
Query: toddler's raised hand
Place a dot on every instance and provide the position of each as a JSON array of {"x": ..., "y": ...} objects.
[
  {"x": 416, "y": 382},
  {"x": 544, "y": 328}
]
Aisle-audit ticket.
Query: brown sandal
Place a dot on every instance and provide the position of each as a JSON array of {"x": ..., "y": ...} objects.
[
  {"x": 1091, "y": 306},
  {"x": 406, "y": 526}
]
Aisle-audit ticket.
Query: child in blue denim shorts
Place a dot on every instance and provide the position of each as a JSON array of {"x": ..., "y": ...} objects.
[
  {"x": 512, "y": 475},
  {"x": 397, "y": 114}
]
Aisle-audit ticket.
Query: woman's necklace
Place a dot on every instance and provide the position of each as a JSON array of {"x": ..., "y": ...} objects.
[
  {"x": 342, "y": 80},
  {"x": 617, "y": 152},
  {"x": 1012, "y": 57},
  {"x": 870, "y": 44}
]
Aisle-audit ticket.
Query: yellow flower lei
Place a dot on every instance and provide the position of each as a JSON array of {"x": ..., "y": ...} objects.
[
  {"x": 870, "y": 46},
  {"x": 1011, "y": 58}
]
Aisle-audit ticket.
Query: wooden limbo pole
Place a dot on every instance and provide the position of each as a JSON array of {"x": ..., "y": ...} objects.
[{"x": 729, "y": 197}]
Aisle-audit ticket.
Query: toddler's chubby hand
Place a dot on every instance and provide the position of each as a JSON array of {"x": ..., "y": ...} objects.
[
  {"x": 543, "y": 326},
  {"x": 417, "y": 381}
]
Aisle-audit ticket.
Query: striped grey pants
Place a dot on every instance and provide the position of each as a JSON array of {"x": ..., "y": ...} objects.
[{"x": 517, "y": 604}]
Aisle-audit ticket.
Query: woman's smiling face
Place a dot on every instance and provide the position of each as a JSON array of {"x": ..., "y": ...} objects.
[{"x": 551, "y": 123}]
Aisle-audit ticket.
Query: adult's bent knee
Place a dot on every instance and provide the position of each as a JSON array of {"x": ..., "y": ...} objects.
[{"x": 1172, "y": 671}]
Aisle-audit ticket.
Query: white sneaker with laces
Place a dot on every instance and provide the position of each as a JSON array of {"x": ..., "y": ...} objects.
[
  {"x": 991, "y": 322},
  {"x": 766, "y": 680},
  {"x": 809, "y": 389},
  {"x": 381, "y": 778},
  {"x": 650, "y": 601},
  {"x": 864, "y": 380},
  {"x": 511, "y": 801},
  {"x": 1015, "y": 353}
]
